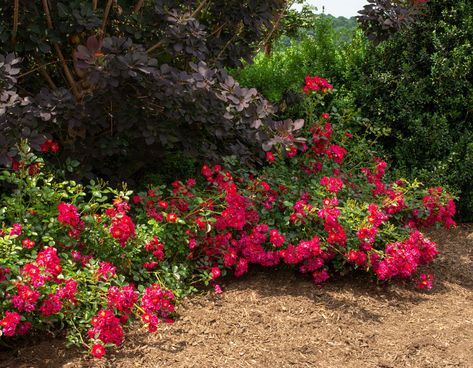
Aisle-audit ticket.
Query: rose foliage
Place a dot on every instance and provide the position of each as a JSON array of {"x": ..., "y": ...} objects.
[{"x": 91, "y": 258}]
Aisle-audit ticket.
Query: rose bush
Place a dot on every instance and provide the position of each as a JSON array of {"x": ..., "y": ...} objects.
[{"x": 92, "y": 258}]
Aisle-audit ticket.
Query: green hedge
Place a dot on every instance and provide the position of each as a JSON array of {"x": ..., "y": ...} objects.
[
  {"x": 420, "y": 84},
  {"x": 322, "y": 50}
]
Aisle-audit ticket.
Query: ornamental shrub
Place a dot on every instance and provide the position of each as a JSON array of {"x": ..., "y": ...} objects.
[
  {"x": 92, "y": 258},
  {"x": 119, "y": 84},
  {"x": 424, "y": 95},
  {"x": 380, "y": 19}
]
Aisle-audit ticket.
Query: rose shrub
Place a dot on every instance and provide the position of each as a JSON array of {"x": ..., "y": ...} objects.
[{"x": 91, "y": 258}]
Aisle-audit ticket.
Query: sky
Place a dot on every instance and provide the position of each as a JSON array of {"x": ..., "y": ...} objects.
[{"x": 344, "y": 8}]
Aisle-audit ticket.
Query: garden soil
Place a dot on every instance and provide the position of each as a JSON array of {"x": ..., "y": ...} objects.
[{"x": 281, "y": 319}]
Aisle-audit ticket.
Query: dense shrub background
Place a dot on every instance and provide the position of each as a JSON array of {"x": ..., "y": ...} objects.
[{"x": 419, "y": 83}]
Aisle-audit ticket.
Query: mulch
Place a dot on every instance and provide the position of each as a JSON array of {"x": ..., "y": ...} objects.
[{"x": 281, "y": 319}]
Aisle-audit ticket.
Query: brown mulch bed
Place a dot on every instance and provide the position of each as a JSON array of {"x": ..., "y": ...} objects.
[{"x": 269, "y": 319}]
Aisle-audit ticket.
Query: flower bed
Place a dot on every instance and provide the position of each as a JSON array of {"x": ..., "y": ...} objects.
[{"x": 91, "y": 258}]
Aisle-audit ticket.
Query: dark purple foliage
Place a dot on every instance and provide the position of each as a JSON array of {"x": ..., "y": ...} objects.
[
  {"x": 381, "y": 18},
  {"x": 154, "y": 83}
]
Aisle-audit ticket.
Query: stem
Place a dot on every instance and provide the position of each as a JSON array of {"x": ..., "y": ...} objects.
[
  {"x": 48, "y": 14},
  {"x": 155, "y": 46},
  {"x": 16, "y": 11},
  {"x": 37, "y": 68},
  {"x": 199, "y": 9},
  {"x": 138, "y": 6},
  {"x": 44, "y": 73},
  {"x": 237, "y": 34},
  {"x": 94, "y": 5},
  {"x": 202, "y": 206},
  {"x": 79, "y": 334},
  {"x": 361, "y": 163},
  {"x": 218, "y": 30},
  {"x": 105, "y": 16},
  {"x": 275, "y": 26},
  {"x": 139, "y": 308},
  {"x": 161, "y": 283},
  {"x": 67, "y": 72},
  {"x": 65, "y": 68}
]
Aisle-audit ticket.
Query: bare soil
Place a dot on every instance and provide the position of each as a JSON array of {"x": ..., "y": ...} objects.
[{"x": 280, "y": 319}]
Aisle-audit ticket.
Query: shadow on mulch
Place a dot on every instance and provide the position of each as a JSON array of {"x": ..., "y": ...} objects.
[
  {"x": 267, "y": 283},
  {"x": 39, "y": 351},
  {"x": 455, "y": 261}
]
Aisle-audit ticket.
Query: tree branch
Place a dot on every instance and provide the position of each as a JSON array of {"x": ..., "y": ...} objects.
[
  {"x": 67, "y": 72},
  {"x": 35, "y": 69},
  {"x": 236, "y": 35},
  {"x": 94, "y": 5},
  {"x": 273, "y": 29}
]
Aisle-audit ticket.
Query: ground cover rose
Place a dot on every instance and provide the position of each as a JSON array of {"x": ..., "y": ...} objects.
[{"x": 93, "y": 258}]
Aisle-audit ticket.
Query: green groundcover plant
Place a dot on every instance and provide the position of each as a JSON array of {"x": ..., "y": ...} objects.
[{"x": 89, "y": 258}]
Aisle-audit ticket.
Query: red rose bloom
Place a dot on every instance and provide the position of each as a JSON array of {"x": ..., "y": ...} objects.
[
  {"x": 171, "y": 217},
  {"x": 98, "y": 351}
]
